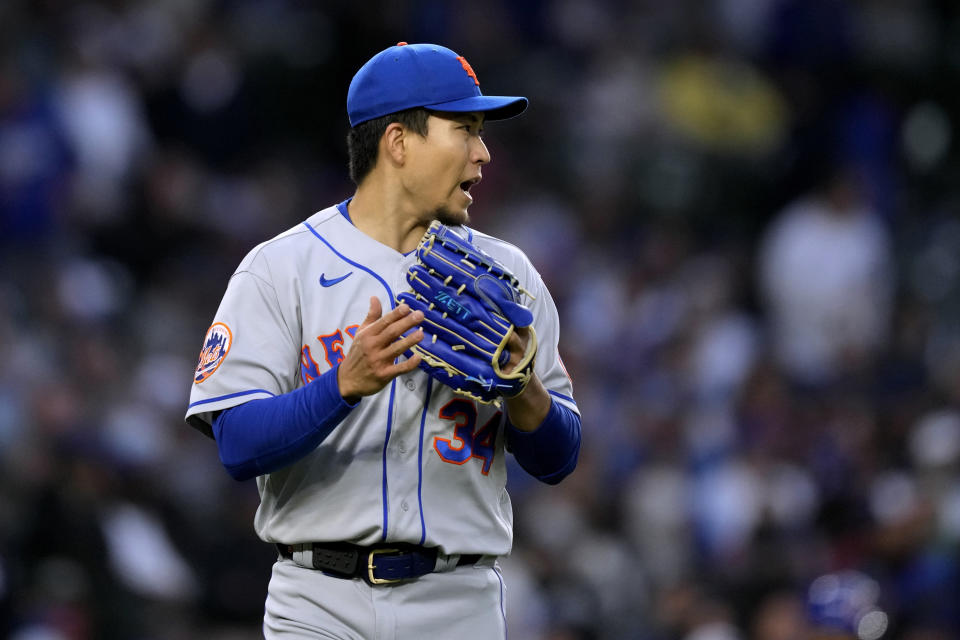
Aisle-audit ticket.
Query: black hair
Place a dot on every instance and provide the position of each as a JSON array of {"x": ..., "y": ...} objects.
[{"x": 363, "y": 140}]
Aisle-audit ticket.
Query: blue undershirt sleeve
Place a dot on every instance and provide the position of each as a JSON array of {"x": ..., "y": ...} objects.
[
  {"x": 550, "y": 452},
  {"x": 264, "y": 435}
]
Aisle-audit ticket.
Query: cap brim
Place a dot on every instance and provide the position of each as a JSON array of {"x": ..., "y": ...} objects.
[{"x": 493, "y": 107}]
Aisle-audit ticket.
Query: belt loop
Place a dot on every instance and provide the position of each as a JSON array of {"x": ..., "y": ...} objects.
[
  {"x": 303, "y": 555},
  {"x": 446, "y": 563}
]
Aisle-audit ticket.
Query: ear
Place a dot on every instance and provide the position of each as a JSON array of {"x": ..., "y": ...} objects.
[{"x": 394, "y": 143}]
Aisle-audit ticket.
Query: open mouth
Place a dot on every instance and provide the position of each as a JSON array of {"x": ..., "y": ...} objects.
[{"x": 466, "y": 184}]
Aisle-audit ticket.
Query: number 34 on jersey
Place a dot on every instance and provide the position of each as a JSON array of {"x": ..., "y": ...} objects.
[{"x": 466, "y": 441}]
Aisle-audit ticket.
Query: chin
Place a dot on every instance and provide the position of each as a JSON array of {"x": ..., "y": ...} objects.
[{"x": 450, "y": 217}]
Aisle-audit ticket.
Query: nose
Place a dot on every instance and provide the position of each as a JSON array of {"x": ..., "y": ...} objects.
[{"x": 480, "y": 154}]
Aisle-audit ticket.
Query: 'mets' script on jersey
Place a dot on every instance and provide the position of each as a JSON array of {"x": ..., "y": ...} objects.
[{"x": 413, "y": 463}]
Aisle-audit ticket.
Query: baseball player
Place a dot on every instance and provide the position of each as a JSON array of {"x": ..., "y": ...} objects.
[{"x": 382, "y": 489}]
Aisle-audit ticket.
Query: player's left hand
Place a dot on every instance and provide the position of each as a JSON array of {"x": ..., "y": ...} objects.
[
  {"x": 517, "y": 346},
  {"x": 527, "y": 409},
  {"x": 478, "y": 336}
]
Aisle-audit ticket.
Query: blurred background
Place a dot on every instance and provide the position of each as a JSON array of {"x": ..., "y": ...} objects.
[{"x": 746, "y": 211}]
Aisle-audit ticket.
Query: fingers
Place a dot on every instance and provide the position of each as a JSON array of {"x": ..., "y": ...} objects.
[
  {"x": 402, "y": 310},
  {"x": 376, "y": 309},
  {"x": 407, "y": 365},
  {"x": 392, "y": 325},
  {"x": 401, "y": 346},
  {"x": 403, "y": 324},
  {"x": 400, "y": 368},
  {"x": 371, "y": 361},
  {"x": 517, "y": 346}
]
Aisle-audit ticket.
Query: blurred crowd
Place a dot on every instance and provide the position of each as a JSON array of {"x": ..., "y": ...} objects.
[{"x": 745, "y": 210}]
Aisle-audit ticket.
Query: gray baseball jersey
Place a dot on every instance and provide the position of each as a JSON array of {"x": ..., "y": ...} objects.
[{"x": 413, "y": 463}]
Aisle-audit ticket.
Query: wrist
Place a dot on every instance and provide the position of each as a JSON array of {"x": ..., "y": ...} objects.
[
  {"x": 528, "y": 409},
  {"x": 349, "y": 395}
]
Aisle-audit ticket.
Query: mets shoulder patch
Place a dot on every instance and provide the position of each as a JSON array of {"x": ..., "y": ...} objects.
[{"x": 216, "y": 345}]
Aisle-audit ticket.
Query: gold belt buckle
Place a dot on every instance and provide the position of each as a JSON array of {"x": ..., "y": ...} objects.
[{"x": 371, "y": 567}]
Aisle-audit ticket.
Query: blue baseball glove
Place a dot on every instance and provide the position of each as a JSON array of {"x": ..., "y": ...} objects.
[{"x": 471, "y": 307}]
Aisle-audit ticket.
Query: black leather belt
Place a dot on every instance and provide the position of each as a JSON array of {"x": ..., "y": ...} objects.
[{"x": 376, "y": 565}]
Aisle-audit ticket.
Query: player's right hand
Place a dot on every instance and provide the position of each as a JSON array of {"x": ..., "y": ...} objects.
[{"x": 370, "y": 363}]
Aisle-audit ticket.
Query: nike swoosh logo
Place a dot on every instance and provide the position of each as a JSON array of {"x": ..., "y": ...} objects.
[{"x": 329, "y": 283}]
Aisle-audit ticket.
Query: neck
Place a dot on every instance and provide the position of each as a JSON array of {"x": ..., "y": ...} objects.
[{"x": 385, "y": 217}]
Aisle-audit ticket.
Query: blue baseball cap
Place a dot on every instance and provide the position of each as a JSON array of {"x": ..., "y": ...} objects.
[{"x": 422, "y": 75}]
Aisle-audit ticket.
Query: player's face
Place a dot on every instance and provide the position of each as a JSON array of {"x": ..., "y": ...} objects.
[{"x": 445, "y": 165}]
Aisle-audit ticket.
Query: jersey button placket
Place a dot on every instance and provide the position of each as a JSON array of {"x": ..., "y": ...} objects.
[{"x": 404, "y": 469}]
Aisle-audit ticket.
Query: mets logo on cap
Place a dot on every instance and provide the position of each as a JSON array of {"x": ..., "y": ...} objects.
[{"x": 216, "y": 345}]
